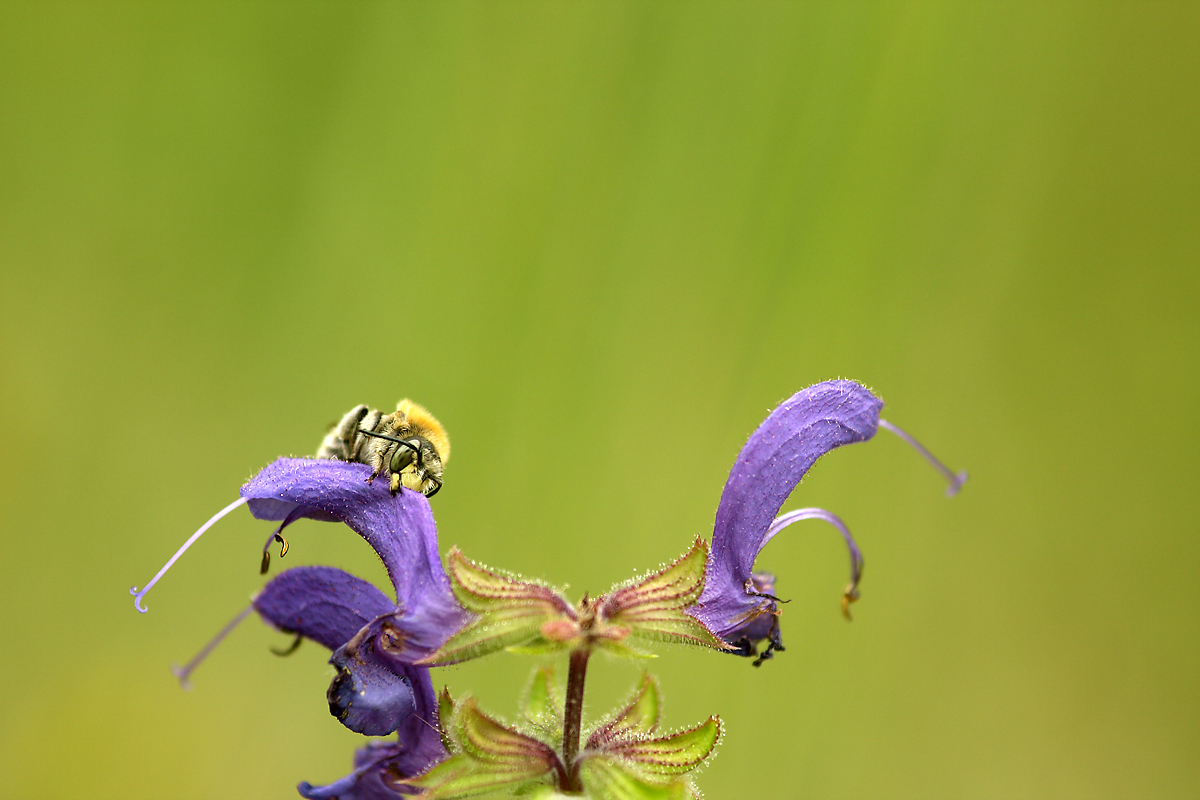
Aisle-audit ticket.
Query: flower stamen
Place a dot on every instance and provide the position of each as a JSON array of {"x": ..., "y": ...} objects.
[
  {"x": 182, "y": 673},
  {"x": 139, "y": 594},
  {"x": 956, "y": 480},
  {"x": 277, "y": 536},
  {"x": 856, "y": 557}
]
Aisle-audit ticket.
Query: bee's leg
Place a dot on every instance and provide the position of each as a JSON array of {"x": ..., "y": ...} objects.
[
  {"x": 362, "y": 443},
  {"x": 376, "y": 458},
  {"x": 395, "y": 482},
  {"x": 339, "y": 442}
]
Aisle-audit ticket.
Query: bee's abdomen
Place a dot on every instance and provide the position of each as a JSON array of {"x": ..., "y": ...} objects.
[{"x": 345, "y": 442}]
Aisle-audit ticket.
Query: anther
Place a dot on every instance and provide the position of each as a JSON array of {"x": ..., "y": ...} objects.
[
  {"x": 277, "y": 536},
  {"x": 956, "y": 480},
  {"x": 182, "y": 673},
  {"x": 139, "y": 594}
]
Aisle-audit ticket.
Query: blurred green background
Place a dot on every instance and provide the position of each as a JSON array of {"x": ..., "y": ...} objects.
[{"x": 600, "y": 241}]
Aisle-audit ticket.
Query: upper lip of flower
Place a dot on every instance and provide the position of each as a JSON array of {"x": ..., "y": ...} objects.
[
  {"x": 400, "y": 529},
  {"x": 803, "y": 428}
]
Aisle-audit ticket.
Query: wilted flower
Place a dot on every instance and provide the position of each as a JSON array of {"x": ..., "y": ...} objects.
[{"x": 739, "y": 604}]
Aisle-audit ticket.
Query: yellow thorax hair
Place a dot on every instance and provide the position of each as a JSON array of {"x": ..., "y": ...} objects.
[{"x": 412, "y": 419}]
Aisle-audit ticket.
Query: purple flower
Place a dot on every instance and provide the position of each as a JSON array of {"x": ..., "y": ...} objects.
[
  {"x": 375, "y": 692},
  {"x": 739, "y": 604},
  {"x": 375, "y": 641}
]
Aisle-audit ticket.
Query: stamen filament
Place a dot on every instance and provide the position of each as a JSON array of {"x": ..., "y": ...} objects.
[
  {"x": 139, "y": 594},
  {"x": 955, "y": 480},
  {"x": 293, "y": 647},
  {"x": 856, "y": 557},
  {"x": 183, "y": 672}
]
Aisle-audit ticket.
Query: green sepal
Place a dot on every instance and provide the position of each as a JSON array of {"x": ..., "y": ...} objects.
[
  {"x": 621, "y": 649},
  {"x": 485, "y": 739},
  {"x": 446, "y": 717},
  {"x": 490, "y": 756},
  {"x": 654, "y": 607},
  {"x": 543, "y": 791},
  {"x": 508, "y": 612},
  {"x": 604, "y": 779},
  {"x": 541, "y": 699},
  {"x": 540, "y": 646},
  {"x": 541, "y": 706},
  {"x": 638, "y": 718},
  {"x": 462, "y": 776},
  {"x": 669, "y": 755}
]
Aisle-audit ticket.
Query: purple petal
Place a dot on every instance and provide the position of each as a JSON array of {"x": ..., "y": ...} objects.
[
  {"x": 399, "y": 528},
  {"x": 365, "y": 783},
  {"x": 324, "y": 604},
  {"x": 802, "y": 429},
  {"x": 380, "y": 764},
  {"x": 366, "y": 696}
]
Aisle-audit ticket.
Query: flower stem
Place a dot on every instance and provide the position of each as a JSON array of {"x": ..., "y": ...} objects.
[{"x": 573, "y": 716}]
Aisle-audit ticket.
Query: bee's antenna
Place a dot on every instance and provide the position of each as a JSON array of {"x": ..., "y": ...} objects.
[
  {"x": 438, "y": 487},
  {"x": 404, "y": 442}
]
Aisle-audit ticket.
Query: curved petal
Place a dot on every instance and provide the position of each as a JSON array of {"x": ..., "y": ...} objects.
[
  {"x": 400, "y": 528},
  {"x": 366, "y": 696},
  {"x": 803, "y": 428},
  {"x": 324, "y": 604},
  {"x": 379, "y": 765}
]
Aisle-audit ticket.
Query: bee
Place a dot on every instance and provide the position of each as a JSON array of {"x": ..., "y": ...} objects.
[{"x": 409, "y": 446}]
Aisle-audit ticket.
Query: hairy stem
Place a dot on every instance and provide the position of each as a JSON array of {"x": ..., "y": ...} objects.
[{"x": 573, "y": 716}]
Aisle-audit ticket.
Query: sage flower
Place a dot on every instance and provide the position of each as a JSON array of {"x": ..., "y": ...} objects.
[
  {"x": 738, "y": 604},
  {"x": 378, "y": 688}
]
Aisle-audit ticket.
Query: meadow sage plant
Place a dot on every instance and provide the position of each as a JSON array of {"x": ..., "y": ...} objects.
[{"x": 445, "y": 747}]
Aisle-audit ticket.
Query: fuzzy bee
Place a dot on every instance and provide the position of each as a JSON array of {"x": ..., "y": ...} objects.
[{"x": 409, "y": 446}]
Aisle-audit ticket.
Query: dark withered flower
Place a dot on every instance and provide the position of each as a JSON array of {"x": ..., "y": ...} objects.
[{"x": 739, "y": 604}]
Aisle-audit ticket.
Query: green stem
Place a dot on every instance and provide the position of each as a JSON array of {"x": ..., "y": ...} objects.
[{"x": 573, "y": 716}]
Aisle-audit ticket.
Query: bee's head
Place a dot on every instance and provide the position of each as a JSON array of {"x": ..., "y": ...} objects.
[
  {"x": 418, "y": 464},
  {"x": 414, "y": 460}
]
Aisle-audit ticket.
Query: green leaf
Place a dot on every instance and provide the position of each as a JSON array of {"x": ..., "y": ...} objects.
[
  {"x": 669, "y": 755},
  {"x": 508, "y": 611},
  {"x": 604, "y": 779},
  {"x": 638, "y": 718},
  {"x": 654, "y": 607}
]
